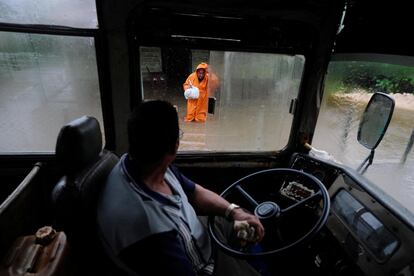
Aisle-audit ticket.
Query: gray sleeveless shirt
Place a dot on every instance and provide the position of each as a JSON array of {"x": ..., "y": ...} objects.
[{"x": 128, "y": 214}]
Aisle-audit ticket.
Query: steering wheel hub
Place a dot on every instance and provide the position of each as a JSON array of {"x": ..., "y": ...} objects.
[{"x": 267, "y": 209}]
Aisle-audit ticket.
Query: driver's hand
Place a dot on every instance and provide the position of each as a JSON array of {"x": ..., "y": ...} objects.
[
  {"x": 244, "y": 232},
  {"x": 245, "y": 221}
]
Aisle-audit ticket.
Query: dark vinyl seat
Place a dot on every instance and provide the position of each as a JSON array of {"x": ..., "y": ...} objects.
[{"x": 85, "y": 165}]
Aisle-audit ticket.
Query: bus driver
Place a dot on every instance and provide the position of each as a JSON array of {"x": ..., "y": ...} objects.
[{"x": 147, "y": 211}]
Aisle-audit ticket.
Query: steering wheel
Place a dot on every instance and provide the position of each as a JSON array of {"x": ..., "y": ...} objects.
[{"x": 271, "y": 214}]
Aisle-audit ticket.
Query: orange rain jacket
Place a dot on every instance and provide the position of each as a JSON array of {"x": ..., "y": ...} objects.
[{"x": 197, "y": 109}]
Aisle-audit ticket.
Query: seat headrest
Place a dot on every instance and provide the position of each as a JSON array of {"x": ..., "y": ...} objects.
[{"x": 79, "y": 143}]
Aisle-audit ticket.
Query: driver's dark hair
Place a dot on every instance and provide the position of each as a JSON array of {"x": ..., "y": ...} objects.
[{"x": 152, "y": 131}]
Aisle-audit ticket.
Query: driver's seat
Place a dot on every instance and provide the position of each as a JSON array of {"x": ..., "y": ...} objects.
[{"x": 85, "y": 166}]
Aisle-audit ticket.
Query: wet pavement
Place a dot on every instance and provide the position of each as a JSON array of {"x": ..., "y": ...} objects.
[
  {"x": 34, "y": 104},
  {"x": 239, "y": 126}
]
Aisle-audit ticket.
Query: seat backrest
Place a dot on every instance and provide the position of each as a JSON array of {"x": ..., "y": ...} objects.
[{"x": 85, "y": 166}]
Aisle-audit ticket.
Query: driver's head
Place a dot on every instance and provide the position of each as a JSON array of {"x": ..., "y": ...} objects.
[{"x": 152, "y": 131}]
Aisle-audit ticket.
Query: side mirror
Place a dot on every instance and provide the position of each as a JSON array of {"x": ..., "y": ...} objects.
[{"x": 374, "y": 124}]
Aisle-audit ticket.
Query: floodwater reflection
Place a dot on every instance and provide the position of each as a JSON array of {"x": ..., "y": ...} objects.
[{"x": 337, "y": 130}]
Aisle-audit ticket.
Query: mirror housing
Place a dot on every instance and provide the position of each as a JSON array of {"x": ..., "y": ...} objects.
[
  {"x": 374, "y": 124},
  {"x": 375, "y": 120}
]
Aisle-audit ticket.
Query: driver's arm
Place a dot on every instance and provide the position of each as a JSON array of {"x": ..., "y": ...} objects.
[
  {"x": 209, "y": 203},
  {"x": 206, "y": 202}
]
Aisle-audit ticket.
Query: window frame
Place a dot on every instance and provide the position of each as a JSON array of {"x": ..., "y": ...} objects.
[
  {"x": 304, "y": 107},
  {"x": 290, "y": 108},
  {"x": 102, "y": 71}
]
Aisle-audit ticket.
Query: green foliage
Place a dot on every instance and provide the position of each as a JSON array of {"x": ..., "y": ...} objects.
[{"x": 371, "y": 76}]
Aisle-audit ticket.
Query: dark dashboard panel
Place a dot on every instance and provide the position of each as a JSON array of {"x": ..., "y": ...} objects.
[
  {"x": 324, "y": 172},
  {"x": 387, "y": 245},
  {"x": 364, "y": 226},
  {"x": 372, "y": 234}
]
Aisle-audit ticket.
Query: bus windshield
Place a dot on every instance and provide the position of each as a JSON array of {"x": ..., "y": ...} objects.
[
  {"x": 349, "y": 86},
  {"x": 247, "y": 100}
]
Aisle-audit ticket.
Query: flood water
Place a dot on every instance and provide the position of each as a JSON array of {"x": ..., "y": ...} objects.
[
  {"x": 391, "y": 170},
  {"x": 336, "y": 133},
  {"x": 40, "y": 101},
  {"x": 50, "y": 82}
]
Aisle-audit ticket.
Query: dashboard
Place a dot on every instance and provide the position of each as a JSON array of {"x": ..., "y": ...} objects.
[
  {"x": 372, "y": 234},
  {"x": 364, "y": 226}
]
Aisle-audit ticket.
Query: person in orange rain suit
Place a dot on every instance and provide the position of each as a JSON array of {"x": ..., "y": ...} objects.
[{"x": 197, "y": 108}]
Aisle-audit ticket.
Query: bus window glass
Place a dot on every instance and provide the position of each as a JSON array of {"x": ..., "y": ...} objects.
[
  {"x": 349, "y": 86},
  {"x": 250, "y": 95},
  {"x": 46, "y": 81},
  {"x": 71, "y": 13}
]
